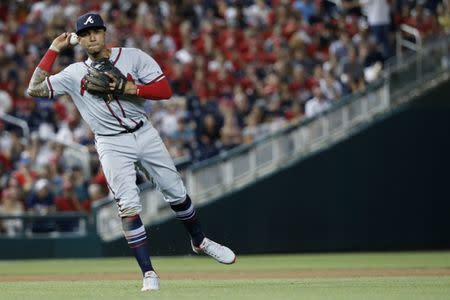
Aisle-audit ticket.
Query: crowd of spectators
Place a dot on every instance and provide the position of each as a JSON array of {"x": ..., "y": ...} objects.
[{"x": 238, "y": 69}]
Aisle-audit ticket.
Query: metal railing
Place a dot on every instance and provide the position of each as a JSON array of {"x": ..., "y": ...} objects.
[
  {"x": 415, "y": 71},
  {"x": 17, "y": 122},
  {"x": 54, "y": 225},
  {"x": 74, "y": 154},
  {"x": 410, "y": 38},
  {"x": 248, "y": 163}
]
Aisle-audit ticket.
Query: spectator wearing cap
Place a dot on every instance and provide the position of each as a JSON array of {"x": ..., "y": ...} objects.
[{"x": 41, "y": 201}]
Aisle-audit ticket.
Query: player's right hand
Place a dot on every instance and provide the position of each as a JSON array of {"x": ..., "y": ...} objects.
[{"x": 61, "y": 41}]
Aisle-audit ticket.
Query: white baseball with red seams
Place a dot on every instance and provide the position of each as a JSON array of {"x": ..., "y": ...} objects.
[
  {"x": 73, "y": 40},
  {"x": 119, "y": 151}
]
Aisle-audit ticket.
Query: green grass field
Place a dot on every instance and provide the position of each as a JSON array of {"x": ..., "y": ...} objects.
[{"x": 326, "y": 276}]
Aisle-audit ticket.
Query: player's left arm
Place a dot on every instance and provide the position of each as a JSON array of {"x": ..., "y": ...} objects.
[
  {"x": 156, "y": 90},
  {"x": 155, "y": 85}
]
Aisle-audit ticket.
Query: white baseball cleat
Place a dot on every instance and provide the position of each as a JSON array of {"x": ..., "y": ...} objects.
[
  {"x": 219, "y": 252},
  {"x": 150, "y": 281}
]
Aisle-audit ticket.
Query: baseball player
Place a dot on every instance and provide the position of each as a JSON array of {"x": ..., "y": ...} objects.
[{"x": 109, "y": 89}]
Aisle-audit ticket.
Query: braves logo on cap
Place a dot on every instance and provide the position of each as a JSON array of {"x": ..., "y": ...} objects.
[{"x": 89, "y": 20}]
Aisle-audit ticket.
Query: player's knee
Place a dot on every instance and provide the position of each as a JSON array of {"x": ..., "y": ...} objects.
[
  {"x": 175, "y": 193},
  {"x": 129, "y": 206},
  {"x": 129, "y": 210}
]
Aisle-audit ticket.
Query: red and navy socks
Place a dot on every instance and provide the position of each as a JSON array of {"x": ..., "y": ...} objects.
[
  {"x": 185, "y": 212},
  {"x": 136, "y": 237}
]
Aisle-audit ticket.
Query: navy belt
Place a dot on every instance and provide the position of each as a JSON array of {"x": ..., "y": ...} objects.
[{"x": 127, "y": 130}]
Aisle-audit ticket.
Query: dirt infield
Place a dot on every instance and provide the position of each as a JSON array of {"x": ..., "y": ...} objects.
[{"x": 233, "y": 275}]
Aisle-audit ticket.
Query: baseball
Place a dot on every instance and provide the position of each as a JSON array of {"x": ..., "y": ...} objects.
[{"x": 73, "y": 39}]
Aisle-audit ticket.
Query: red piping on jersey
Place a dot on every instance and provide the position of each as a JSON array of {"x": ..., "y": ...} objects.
[
  {"x": 82, "y": 84},
  {"x": 123, "y": 111},
  {"x": 157, "y": 89},
  {"x": 118, "y": 55},
  {"x": 157, "y": 79},
  {"x": 51, "y": 87},
  {"x": 114, "y": 115},
  {"x": 120, "y": 105}
]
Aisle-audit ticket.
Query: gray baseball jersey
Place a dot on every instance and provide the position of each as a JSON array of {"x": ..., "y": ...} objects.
[
  {"x": 103, "y": 117},
  {"x": 119, "y": 151}
]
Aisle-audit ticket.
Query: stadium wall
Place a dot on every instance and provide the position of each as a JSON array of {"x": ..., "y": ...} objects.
[{"x": 384, "y": 189}]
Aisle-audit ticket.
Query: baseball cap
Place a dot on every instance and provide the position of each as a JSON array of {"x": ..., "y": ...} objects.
[{"x": 89, "y": 20}]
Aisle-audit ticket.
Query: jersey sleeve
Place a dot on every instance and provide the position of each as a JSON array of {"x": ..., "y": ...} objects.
[
  {"x": 60, "y": 83},
  {"x": 147, "y": 68}
]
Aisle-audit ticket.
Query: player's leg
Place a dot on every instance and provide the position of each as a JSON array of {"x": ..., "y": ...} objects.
[
  {"x": 157, "y": 161},
  {"x": 117, "y": 157}
]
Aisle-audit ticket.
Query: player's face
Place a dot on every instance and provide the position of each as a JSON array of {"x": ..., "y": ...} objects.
[{"x": 93, "y": 40}]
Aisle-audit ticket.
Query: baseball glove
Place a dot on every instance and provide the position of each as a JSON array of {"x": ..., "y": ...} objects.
[{"x": 97, "y": 82}]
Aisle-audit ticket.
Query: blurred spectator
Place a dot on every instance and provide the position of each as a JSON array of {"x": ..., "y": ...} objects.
[
  {"x": 96, "y": 192},
  {"x": 68, "y": 202},
  {"x": 25, "y": 175},
  {"x": 257, "y": 14},
  {"x": 443, "y": 12},
  {"x": 351, "y": 66},
  {"x": 308, "y": 9},
  {"x": 372, "y": 61},
  {"x": 317, "y": 104},
  {"x": 41, "y": 201},
  {"x": 330, "y": 86},
  {"x": 230, "y": 133},
  {"x": 5, "y": 102},
  {"x": 10, "y": 205},
  {"x": 80, "y": 188},
  {"x": 422, "y": 19},
  {"x": 255, "y": 128},
  {"x": 5, "y": 169}
]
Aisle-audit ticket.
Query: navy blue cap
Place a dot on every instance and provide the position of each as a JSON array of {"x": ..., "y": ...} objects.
[{"x": 89, "y": 20}]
